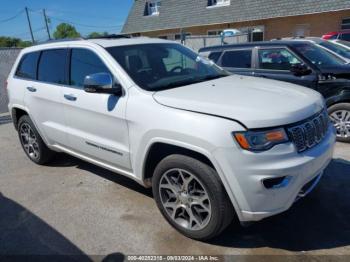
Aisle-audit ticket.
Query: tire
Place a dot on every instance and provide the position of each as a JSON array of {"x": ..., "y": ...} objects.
[
  {"x": 215, "y": 211},
  {"x": 32, "y": 143},
  {"x": 340, "y": 117}
]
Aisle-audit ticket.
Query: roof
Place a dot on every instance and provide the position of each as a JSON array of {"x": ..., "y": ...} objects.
[
  {"x": 186, "y": 13},
  {"x": 101, "y": 42},
  {"x": 253, "y": 44}
]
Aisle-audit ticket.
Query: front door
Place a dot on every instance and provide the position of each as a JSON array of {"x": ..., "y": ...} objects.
[
  {"x": 276, "y": 63},
  {"x": 96, "y": 122}
]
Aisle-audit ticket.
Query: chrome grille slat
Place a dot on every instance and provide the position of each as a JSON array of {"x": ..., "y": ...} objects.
[{"x": 310, "y": 132}]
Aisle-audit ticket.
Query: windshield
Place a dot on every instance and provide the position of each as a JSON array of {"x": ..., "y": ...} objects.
[
  {"x": 340, "y": 50},
  {"x": 156, "y": 67},
  {"x": 318, "y": 56}
]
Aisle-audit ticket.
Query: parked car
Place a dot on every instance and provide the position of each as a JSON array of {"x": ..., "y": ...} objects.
[
  {"x": 211, "y": 145},
  {"x": 299, "y": 62},
  {"x": 342, "y": 35}
]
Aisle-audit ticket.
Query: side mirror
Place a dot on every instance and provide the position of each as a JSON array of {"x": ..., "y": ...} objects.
[
  {"x": 300, "y": 70},
  {"x": 101, "y": 83}
]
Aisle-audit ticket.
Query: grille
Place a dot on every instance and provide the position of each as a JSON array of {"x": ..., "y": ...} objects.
[{"x": 309, "y": 132}]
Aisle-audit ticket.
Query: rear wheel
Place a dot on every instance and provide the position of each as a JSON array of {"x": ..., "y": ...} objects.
[
  {"x": 191, "y": 197},
  {"x": 32, "y": 143},
  {"x": 340, "y": 117}
]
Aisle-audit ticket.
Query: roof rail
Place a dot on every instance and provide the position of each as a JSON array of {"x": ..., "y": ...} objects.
[
  {"x": 112, "y": 36},
  {"x": 59, "y": 40}
]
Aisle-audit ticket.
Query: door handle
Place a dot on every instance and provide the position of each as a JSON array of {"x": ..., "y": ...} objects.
[
  {"x": 31, "y": 89},
  {"x": 70, "y": 97}
]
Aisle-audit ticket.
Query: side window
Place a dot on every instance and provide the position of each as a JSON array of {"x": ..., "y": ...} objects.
[
  {"x": 345, "y": 37},
  {"x": 237, "y": 59},
  {"x": 84, "y": 62},
  {"x": 52, "y": 66},
  {"x": 28, "y": 66},
  {"x": 214, "y": 56},
  {"x": 277, "y": 59}
]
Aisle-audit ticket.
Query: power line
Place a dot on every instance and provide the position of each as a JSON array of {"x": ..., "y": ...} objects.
[
  {"x": 82, "y": 14},
  {"x": 12, "y": 17},
  {"x": 84, "y": 25}
]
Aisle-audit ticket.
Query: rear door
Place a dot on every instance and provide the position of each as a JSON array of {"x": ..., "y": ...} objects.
[
  {"x": 276, "y": 63},
  {"x": 238, "y": 61},
  {"x": 43, "y": 95},
  {"x": 95, "y": 122}
]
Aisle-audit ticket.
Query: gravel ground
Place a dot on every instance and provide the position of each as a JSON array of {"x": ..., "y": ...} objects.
[{"x": 74, "y": 208}]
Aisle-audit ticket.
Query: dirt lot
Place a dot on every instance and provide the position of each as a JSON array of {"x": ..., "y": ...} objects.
[{"x": 72, "y": 207}]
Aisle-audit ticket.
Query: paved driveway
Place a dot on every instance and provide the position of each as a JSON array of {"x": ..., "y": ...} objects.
[{"x": 72, "y": 207}]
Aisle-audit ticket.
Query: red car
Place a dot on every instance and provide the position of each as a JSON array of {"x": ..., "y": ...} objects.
[{"x": 343, "y": 35}]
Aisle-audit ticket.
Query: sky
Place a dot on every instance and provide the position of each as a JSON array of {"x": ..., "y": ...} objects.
[{"x": 86, "y": 15}]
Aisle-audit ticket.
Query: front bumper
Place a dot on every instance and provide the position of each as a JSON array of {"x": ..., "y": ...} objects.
[{"x": 244, "y": 172}]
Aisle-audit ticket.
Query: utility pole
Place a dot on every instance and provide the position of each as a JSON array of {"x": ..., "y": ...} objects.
[
  {"x": 30, "y": 25},
  {"x": 46, "y": 23}
]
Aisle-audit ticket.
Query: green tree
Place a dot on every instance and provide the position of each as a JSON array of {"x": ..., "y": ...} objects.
[
  {"x": 65, "y": 30},
  {"x": 13, "y": 42},
  {"x": 97, "y": 34}
]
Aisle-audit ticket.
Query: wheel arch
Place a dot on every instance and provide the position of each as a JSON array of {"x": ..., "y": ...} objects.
[
  {"x": 158, "y": 150},
  {"x": 16, "y": 114}
]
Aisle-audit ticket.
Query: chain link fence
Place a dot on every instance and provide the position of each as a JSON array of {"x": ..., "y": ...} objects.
[
  {"x": 7, "y": 58},
  {"x": 200, "y": 41}
]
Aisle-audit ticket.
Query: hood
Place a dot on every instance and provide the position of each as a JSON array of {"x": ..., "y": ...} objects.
[{"x": 255, "y": 102}]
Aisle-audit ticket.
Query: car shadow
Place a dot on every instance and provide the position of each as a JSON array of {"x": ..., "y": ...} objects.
[
  {"x": 25, "y": 234},
  {"x": 319, "y": 221},
  {"x": 64, "y": 160},
  {"x": 5, "y": 119}
]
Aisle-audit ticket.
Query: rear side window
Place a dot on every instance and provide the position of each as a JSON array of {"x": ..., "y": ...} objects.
[
  {"x": 84, "y": 62},
  {"x": 52, "y": 66},
  {"x": 214, "y": 56},
  {"x": 28, "y": 66},
  {"x": 237, "y": 59}
]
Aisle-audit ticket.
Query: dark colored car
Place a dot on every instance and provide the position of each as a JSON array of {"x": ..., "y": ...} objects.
[
  {"x": 342, "y": 35},
  {"x": 298, "y": 62}
]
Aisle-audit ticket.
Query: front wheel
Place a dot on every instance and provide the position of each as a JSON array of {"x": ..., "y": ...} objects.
[
  {"x": 191, "y": 197},
  {"x": 340, "y": 117}
]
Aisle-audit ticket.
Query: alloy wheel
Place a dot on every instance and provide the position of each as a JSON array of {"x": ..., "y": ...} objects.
[
  {"x": 29, "y": 141},
  {"x": 185, "y": 199},
  {"x": 341, "y": 122}
]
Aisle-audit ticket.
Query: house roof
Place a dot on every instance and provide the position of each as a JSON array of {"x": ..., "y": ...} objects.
[{"x": 186, "y": 13}]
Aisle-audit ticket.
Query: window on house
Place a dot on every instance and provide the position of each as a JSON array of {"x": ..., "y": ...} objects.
[
  {"x": 153, "y": 7},
  {"x": 218, "y": 2},
  {"x": 214, "y": 32},
  {"x": 345, "y": 23}
]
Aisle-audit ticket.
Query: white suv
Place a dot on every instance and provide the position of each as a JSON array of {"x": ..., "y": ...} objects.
[{"x": 211, "y": 145}]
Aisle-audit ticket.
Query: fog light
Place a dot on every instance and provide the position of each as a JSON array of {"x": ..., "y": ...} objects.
[{"x": 278, "y": 182}]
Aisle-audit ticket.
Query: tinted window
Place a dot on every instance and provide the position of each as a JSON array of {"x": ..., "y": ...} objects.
[
  {"x": 28, "y": 65},
  {"x": 214, "y": 56},
  {"x": 84, "y": 62},
  {"x": 52, "y": 66},
  {"x": 345, "y": 37},
  {"x": 277, "y": 59},
  {"x": 237, "y": 59}
]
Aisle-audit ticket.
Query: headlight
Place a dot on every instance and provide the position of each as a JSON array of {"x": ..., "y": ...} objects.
[{"x": 261, "y": 140}]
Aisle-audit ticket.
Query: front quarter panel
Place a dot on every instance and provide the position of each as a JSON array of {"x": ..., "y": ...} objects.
[{"x": 150, "y": 122}]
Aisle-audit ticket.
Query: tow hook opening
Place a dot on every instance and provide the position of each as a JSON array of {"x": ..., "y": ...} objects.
[{"x": 277, "y": 182}]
